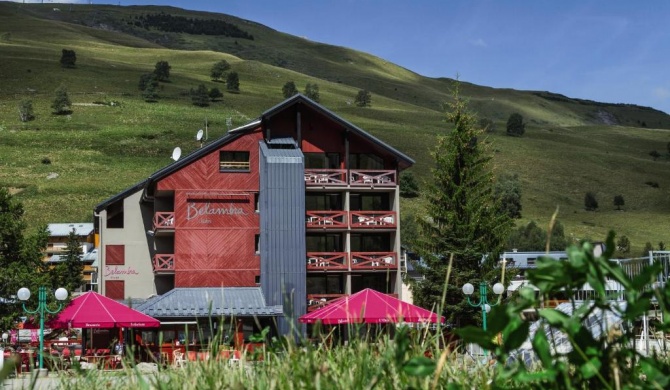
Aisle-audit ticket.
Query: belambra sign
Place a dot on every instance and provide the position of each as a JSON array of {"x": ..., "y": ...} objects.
[{"x": 197, "y": 210}]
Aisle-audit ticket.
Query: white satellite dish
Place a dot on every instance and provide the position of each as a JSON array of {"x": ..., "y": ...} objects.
[
  {"x": 176, "y": 153},
  {"x": 199, "y": 135}
]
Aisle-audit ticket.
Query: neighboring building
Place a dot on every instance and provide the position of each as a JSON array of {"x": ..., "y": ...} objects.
[
  {"x": 299, "y": 203},
  {"x": 59, "y": 235}
]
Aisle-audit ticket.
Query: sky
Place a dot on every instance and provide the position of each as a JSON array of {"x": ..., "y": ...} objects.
[{"x": 614, "y": 51}]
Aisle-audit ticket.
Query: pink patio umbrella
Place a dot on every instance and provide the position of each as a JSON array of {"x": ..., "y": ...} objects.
[
  {"x": 93, "y": 310},
  {"x": 370, "y": 307}
]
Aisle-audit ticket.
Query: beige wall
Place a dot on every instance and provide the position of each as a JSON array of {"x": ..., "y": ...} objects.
[{"x": 137, "y": 272}]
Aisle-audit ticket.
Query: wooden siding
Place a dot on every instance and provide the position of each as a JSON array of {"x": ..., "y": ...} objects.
[
  {"x": 115, "y": 289},
  {"x": 115, "y": 255}
]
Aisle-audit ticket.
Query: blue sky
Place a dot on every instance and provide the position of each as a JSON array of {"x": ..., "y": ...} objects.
[{"x": 606, "y": 50}]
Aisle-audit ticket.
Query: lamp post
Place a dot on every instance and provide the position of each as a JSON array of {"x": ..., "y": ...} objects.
[
  {"x": 24, "y": 294},
  {"x": 468, "y": 289}
]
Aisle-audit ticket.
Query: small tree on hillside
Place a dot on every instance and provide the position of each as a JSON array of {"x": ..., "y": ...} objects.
[
  {"x": 363, "y": 98},
  {"x": 661, "y": 246},
  {"x": 515, "y": 125},
  {"x": 508, "y": 192},
  {"x": 655, "y": 154},
  {"x": 199, "y": 96},
  {"x": 150, "y": 94},
  {"x": 289, "y": 89},
  {"x": 26, "y": 112},
  {"x": 312, "y": 91},
  {"x": 487, "y": 125},
  {"x": 61, "y": 103},
  {"x": 162, "y": 70},
  {"x": 146, "y": 80},
  {"x": 647, "y": 248},
  {"x": 590, "y": 202},
  {"x": 215, "y": 94},
  {"x": 619, "y": 201},
  {"x": 233, "y": 82},
  {"x": 219, "y": 69},
  {"x": 623, "y": 246},
  {"x": 68, "y": 58}
]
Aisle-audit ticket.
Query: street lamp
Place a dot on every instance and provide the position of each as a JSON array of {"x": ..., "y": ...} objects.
[
  {"x": 468, "y": 289},
  {"x": 23, "y": 294}
]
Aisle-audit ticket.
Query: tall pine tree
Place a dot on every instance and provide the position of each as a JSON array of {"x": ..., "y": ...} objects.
[
  {"x": 70, "y": 271},
  {"x": 461, "y": 217}
]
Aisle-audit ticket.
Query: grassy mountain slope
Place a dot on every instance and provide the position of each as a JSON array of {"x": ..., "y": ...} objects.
[{"x": 101, "y": 149}]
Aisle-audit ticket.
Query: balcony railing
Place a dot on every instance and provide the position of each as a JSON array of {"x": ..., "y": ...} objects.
[
  {"x": 316, "y": 301},
  {"x": 164, "y": 220},
  {"x": 327, "y": 261},
  {"x": 372, "y": 178},
  {"x": 373, "y": 219},
  {"x": 357, "y": 177},
  {"x": 327, "y": 219},
  {"x": 373, "y": 260},
  {"x": 326, "y": 177},
  {"x": 163, "y": 264}
]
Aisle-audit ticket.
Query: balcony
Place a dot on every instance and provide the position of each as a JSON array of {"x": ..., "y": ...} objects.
[
  {"x": 327, "y": 219},
  {"x": 325, "y": 177},
  {"x": 374, "y": 260},
  {"x": 317, "y": 301},
  {"x": 373, "y": 220},
  {"x": 327, "y": 261},
  {"x": 163, "y": 264},
  {"x": 164, "y": 221},
  {"x": 372, "y": 178}
]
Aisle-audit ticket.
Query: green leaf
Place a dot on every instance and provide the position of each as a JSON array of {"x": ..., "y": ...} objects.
[
  {"x": 591, "y": 367},
  {"x": 419, "y": 366},
  {"x": 554, "y": 317},
  {"x": 517, "y": 336},
  {"x": 542, "y": 348}
]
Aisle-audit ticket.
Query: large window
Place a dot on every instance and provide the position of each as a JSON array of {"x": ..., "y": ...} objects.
[
  {"x": 375, "y": 282},
  {"x": 371, "y": 242},
  {"x": 324, "y": 243},
  {"x": 233, "y": 161},
  {"x": 369, "y": 202},
  {"x": 325, "y": 284},
  {"x": 322, "y": 161},
  {"x": 365, "y": 161},
  {"x": 323, "y": 202},
  {"x": 115, "y": 215}
]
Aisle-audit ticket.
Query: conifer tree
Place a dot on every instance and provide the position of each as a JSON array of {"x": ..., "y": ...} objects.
[
  {"x": 461, "y": 217},
  {"x": 69, "y": 272}
]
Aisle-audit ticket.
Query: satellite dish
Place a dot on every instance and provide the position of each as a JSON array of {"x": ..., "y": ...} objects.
[
  {"x": 176, "y": 153},
  {"x": 199, "y": 135}
]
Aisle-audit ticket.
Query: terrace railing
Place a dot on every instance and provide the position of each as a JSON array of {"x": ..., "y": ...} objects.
[
  {"x": 373, "y": 220},
  {"x": 316, "y": 301},
  {"x": 164, "y": 220},
  {"x": 327, "y": 261},
  {"x": 325, "y": 177},
  {"x": 372, "y": 178},
  {"x": 163, "y": 264},
  {"x": 327, "y": 219},
  {"x": 373, "y": 260}
]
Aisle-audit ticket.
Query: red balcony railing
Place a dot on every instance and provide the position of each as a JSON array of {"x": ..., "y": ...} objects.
[
  {"x": 316, "y": 301},
  {"x": 374, "y": 260},
  {"x": 327, "y": 261},
  {"x": 163, "y": 264},
  {"x": 327, "y": 219},
  {"x": 326, "y": 177},
  {"x": 374, "y": 219},
  {"x": 372, "y": 178},
  {"x": 164, "y": 220}
]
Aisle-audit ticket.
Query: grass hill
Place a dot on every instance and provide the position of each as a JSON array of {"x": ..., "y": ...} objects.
[{"x": 113, "y": 138}]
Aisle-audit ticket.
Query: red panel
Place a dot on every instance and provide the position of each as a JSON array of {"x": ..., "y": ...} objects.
[
  {"x": 218, "y": 278},
  {"x": 115, "y": 289},
  {"x": 115, "y": 255},
  {"x": 204, "y": 172}
]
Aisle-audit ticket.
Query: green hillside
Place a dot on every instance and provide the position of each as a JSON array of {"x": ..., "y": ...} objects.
[{"x": 113, "y": 138}]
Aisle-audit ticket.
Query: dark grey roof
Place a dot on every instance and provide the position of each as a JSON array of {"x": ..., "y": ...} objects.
[
  {"x": 195, "y": 302},
  {"x": 403, "y": 159}
]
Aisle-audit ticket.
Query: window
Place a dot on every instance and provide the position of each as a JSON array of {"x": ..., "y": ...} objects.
[
  {"x": 115, "y": 215},
  {"x": 257, "y": 243},
  {"x": 322, "y": 202},
  {"x": 370, "y": 242},
  {"x": 115, "y": 255},
  {"x": 257, "y": 201},
  {"x": 233, "y": 161},
  {"x": 375, "y": 282},
  {"x": 115, "y": 289},
  {"x": 325, "y": 284},
  {"x": 370, "y": 202},
  {"x": 324, "y": 243},
  {"x": 365, "y": 161},
  {"x": 257, "y": 279},
  {"x": 322, "y": 161}
]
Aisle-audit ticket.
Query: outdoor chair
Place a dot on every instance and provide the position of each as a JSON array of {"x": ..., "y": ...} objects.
[{"x": 178, "y": 359}]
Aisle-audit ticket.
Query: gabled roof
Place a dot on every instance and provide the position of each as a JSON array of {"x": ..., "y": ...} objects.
[
  {"x": 403, "y": 160},
  {"x": 205, "y": 301},
  {"x": 64, "y": 229}
]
